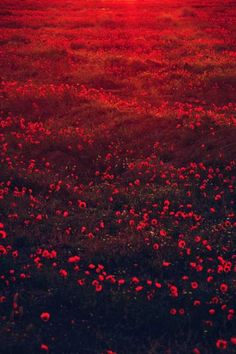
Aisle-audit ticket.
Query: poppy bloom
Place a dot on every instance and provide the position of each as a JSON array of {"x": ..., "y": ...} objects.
[
  {"x": 82, "y": 204},
  {"x": 63, "y": 273},
  {"x": 39, "y": 217},
  {"x": 181, "y": 244},
  {"x": 73, "y": 259},
  {"x": 194, "y": 285},
  {"x": 174, "y": 291},
  {"x": 196, "y": 351},
  {"x": 90, "y": 235},
  {"x": 173, "y": 312},
  {"x": 233, "y": 340},
  {"x": 181, "y": 312},
  {"x": 91, "y": 266},
  {"x": 2, "y": 234},
  {"x": 221, "y": 344},
  {"x": 81, "y": 282},
  {"x": 155, "y": 246},
  {"x": 157, "y": 285},
  {"x": 44, "y": 347},
  {"x": 139, "y": 288},
  {"x": 98, "y": 288},
  {"x": 154, "y": 222},
  {"x": 45, "y": 316},
  {"x": 163, "y": 233},
  {"x": 223, "y": 288},
  {"x": 15, "y": 254}
]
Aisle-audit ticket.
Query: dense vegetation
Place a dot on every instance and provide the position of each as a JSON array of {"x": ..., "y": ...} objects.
[{"x": 117, "y": 183}]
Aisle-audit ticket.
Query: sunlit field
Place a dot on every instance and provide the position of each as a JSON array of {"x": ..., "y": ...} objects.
[{"x": 117, "y": 180}]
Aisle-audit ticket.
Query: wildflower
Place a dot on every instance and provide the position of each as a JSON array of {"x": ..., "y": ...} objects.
[
  {"x": 98, "y": 288},
  {"x": 2, "y": 234},
  {"x": 223, "y": 288},
  {"x": 181, "y": 311},
  {"x": 196, "y": 351},
  {"x": 135, "y": 280},
  {"x": 45, "y": 316},
  {"x": 139, "y": 288},
  {"x": 44, "y": 347},
  {"x": 221, "y": 344},
  {"x": 181, "y": 244},
  {"x": 174, "y": 291},
  {"x": 91, "y": 266},
  {"x": 194, "y": 285},
  {"x": 63, "y": 273},
  {"x": 39, "y": 217},
  {"x": 154, "y": 222},
  {"x": 90, "y": 235},
  {"x": 173, "y": 311},
  {"x": 163, "y": 233},
  {"x": 155, "y": 246},
  {"x": 73, "y": 259},
  {"x": 82, "y": 204},
  {"x": 233, "y": 340},
  {"x": 157, "y": 285}
]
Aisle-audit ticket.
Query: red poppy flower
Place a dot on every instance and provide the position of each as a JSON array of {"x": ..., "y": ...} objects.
[
  {"x": 44, "y": 347},
  {"x": 63, "y": 273},
  {"x": 139, "y": 288},
  {"x": 233, "y": 340},
  {"x": 173, "y": 312},
  {"x": 2, "y": 234},
  {"x": 221, "y": 344},
  {"x": 223, "y": 288},
  {"x": 181, "y": 244},
  {"x": 82, "y": 204},
  {"x": 45, "y": 316},
  {"x": 163, "y": 233},
  {"x": 98, "y": 288},
  {"x": 73, "y": 259},
  {"x": 155, "y": 246},
  {"x": 194, "y": 285}
]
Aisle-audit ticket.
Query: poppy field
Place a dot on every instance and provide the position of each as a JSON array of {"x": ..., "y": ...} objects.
[{"x": 117, "y": 182}]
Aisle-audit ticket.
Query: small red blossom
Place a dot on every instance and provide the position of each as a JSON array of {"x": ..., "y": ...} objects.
[
  {"x": 173, "y": 311},
  {"x": 82, "y": 204},
  {"x": 223, "y": 288},
  {"x": 73, "y": 259},
  {"x": 44, "y": 347},
  {"x": 233, "y": 340},
  {"x": 45, "y": 316},
  {"x": 98, "y": 288},
  {"x": 181, "y": 244},
  {"x": 196, "y": 351},
  {"x": 63, "y": 273},
  {"x": 194, "y": 285},
  {"x": 155, "y": 246},
  {"x": 221, "y": 344},
  {"x": 139, "y": 288},
  {"x": 163, "y": 233},
  {"x": 3, "y": 234}
]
